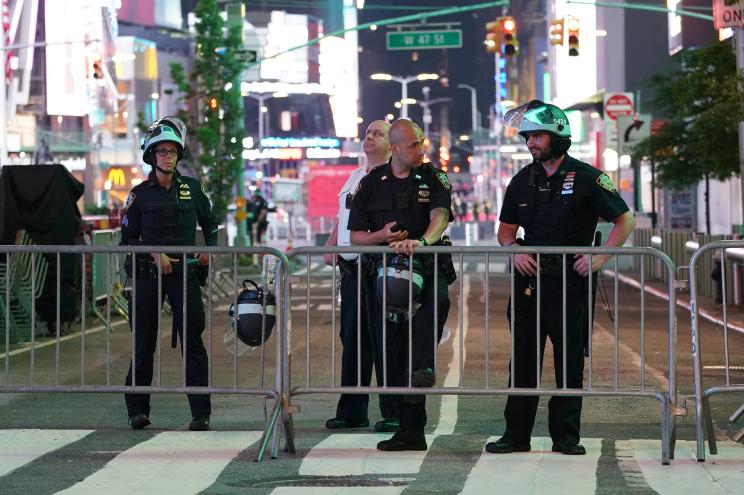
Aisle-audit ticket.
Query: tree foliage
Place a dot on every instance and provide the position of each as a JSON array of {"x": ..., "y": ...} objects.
[
  {"x": 210, "y": 102},
  {"x": 699, "y": 95}
]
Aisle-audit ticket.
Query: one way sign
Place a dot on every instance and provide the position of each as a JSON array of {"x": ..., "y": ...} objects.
[{"x": 632, "y": 131}]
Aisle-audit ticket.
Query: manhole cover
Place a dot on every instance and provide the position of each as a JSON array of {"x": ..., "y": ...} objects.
[{"x": 323, "y": 481}]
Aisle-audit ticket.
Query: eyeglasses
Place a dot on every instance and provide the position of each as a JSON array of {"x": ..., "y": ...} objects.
[{"x": 163, "y": 153}]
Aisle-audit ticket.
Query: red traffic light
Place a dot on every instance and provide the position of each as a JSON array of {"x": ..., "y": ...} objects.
[{"x": 213, "y": 103}]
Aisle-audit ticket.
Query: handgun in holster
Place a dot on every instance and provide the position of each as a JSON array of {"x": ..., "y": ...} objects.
[
  {"x": 196, "y": 270},
  {"x": 146, "y": 267}
]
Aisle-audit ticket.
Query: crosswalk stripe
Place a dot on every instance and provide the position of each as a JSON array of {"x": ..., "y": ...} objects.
[
  {"x": 339, "y": 490},
  {"x": 19, "y": 447},
  {"x": 721, "y": 473},
  {"x": 537, "y": 471},
  {"x": 171, "y": 462},
  {"x": 356, "y": 453}
]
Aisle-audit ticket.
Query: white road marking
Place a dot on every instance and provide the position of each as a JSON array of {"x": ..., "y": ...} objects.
[
  {"x": 65, "y": 338},
  {"x": 493, "y": 268},
  {"x": 448, "y": 405},
  {"x": 608, "y": 338},
  {"x": 339, "y": 490},
  {"x": 537, "y": 471},
  {"x": 722, "y": 473},
  {"x": 171, "y": 462},
  {"x": 356, "y": 453},
  {"x": 19, "y": 447}
]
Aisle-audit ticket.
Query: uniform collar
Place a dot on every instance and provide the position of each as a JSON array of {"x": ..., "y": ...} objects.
[{"x": 152, "y": 180}]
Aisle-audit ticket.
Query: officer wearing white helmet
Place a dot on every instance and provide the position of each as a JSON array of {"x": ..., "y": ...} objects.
[
  {"x": 557, "y": 201},
  {"x": 164, "y": 211}
]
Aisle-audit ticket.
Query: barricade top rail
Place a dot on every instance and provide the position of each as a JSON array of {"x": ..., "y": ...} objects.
[
  {"x": 487, "y": 249},
  {"x": 728, "y": 245},
  {"x": 74, "y": 249}
]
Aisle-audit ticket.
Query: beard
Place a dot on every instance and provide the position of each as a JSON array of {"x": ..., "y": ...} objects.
[{"x": 540, "y": 154}]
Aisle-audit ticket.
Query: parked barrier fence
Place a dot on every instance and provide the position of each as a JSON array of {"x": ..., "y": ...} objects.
[
  {"x": 100, "y": 362},
  {"x": 721, "y": 354},
  {"x": 321, "y": 356},
  {"x": 75, "y": 368}
]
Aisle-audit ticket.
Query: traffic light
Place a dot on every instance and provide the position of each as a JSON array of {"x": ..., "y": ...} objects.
[
  {"x": 493, "y": 36},
  {"x": 213, "y": 103},
  {"x": 573, "y": 37},
  {"x": 509, "y": 30},
  {"x": 97, "y": 70},
  {"x": 556, "y": 31}
]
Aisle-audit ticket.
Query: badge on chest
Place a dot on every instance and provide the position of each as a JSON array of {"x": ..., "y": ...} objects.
[
  {"x": 568, "y": 183},
  {"x": 184, "y": 193}
]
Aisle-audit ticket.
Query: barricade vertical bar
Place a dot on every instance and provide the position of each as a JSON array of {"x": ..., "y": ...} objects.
[
  {"x": 59, "y": 320},
  {"x": 563, "y": 322},
  {"x": 264, "y": 283},
  {"x": 643, "y": 325},
  {"x": 616, "y": 324},
  {"x": 184, "y": 316},
  {"x": 485, "y": 315},
  {"x": 335, "y": 294},
  {"x": 460, "y": 329},
  {"x": 33, "y": 316},
  {"x": 436, "y": 313},
  {"x": 725, "y": 318},
  {"x": 82, "y": 321},
  {"x": 410, "y": 320},
  {"x": 236, "y": 314},
  {"x": 210, "y": 276},
  {"x": 159, "y": 311},
  {"x": 108, "y": 317},
  {"x": 512, "y": 296},
  {"x": 9, "y": 261},
  {"x": 590, "y": 330},
  {"x": 384, "y": 321},
  {"x": 133, "y": 306},
  {"x": 538, "y": 288},
  {"x": 358, "y": 329},
  {"x": 669, "y": 446},
  {"x": 307, "y": 322}
]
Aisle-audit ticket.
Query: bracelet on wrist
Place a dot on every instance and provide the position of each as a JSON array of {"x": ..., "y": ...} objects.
[{"x": 422, "y": 240}]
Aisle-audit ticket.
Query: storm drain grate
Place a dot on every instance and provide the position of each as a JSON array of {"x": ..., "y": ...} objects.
[{"x": 330, "y": 481}]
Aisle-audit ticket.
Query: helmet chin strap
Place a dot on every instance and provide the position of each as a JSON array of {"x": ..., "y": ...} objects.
[{"x": 168, "y": 172}]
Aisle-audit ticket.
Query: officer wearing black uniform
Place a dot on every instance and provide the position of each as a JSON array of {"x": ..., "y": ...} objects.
[
  {"x": 557, "y": 201},
  {"x": 163, "y": 211},
  {"x": 406, "y": 192},
  {"x": 256, "y": 211}
]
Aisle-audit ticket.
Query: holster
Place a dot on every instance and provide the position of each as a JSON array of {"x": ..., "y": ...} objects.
[
  {"x": 146, "y": 267},
  {"x": 446, "y": 266},
  {"x": 347, "y": 266}
]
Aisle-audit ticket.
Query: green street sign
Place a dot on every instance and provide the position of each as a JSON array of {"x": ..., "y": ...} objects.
[{"x": 422, "y": 40}]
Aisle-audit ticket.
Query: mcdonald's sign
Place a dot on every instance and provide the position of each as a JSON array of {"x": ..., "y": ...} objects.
[{"x": 117, "y": 178}]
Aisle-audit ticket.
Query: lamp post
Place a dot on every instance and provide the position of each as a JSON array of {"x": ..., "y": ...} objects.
[
  {"x": 425, "y": 104},
  {"x": 473, "y": 106},
  {"x": 261, "y": 98},
  {"x": 404, "y": 80}
]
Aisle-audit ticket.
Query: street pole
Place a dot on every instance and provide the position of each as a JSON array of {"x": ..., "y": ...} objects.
[
  {"x": 498, "y": 129},
  {"x": 473, "y": 105},
  {"x": 404, "y": 98},
  {"x": 739, "y": 48},
  {"x": 235, "y": 18}
]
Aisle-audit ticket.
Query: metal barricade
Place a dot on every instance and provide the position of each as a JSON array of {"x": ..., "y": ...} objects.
[
  {"x": 719, "y": 358},
  {"x": 316, "y": 286},
  {"x": 95, "y": 360}
]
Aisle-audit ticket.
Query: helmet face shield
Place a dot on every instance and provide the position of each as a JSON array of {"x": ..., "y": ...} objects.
[
  {"x": 171, "y": 129},
  {"x": 537, "y": 116}
]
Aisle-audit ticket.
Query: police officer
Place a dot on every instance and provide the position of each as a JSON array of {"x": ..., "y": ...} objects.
[
  {"x": 351, "y": 411},
  {"x": 557, "y": 201},
  {"x": 256, "y": 211},
  {"x": 164, "y": 211},
  {"x": 406, "y": 192}
]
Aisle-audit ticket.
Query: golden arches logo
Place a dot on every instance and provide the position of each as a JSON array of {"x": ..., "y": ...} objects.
[{"x": 116, "y": 177}]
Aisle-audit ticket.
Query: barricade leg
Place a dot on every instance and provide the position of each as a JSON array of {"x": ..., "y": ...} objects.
[
  {"x": 708, "y": 421},
  {"x": 268, "y": 430},
  {"x": 288, "y": 432},
  {"x": 665, "y": 431}
]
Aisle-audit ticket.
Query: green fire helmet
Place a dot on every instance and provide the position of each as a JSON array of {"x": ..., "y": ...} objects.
[
  {"x": 166, "y": 129},
  {"x": 538, "y": 116}
]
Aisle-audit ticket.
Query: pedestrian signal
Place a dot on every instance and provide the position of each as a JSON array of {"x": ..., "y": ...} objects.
[
  {"x": 493, "y": 36},
  {"x": 510, "y": 46},
  {"x": 556, "y": 31},
  {"x": 573, "y": 37}
]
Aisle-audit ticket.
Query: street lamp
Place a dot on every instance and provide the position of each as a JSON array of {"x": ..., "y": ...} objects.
[
  {"x": 261, "y": 98},
  {"x": 473, "y": 105},
  {"x": 425, "y": 104},
  {"x": 404, "y": 86}
]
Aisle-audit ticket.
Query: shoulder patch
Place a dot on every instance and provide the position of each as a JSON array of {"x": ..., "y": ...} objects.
[
  {"x": 444, "y": 180},
  {"x": 130, "y": 200},
  {"x": 606, "y": 183}
]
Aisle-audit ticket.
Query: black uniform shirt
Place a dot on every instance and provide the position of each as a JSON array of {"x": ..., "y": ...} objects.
[
  {"x": 561, "y": 210},
  {"x": 383, "y": 198},
  {"x": 159, "y": 217},
  {"x": 254, "y": 209}
]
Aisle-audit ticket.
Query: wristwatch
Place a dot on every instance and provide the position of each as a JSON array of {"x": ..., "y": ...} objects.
[{"x": 422, "y": 240}]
